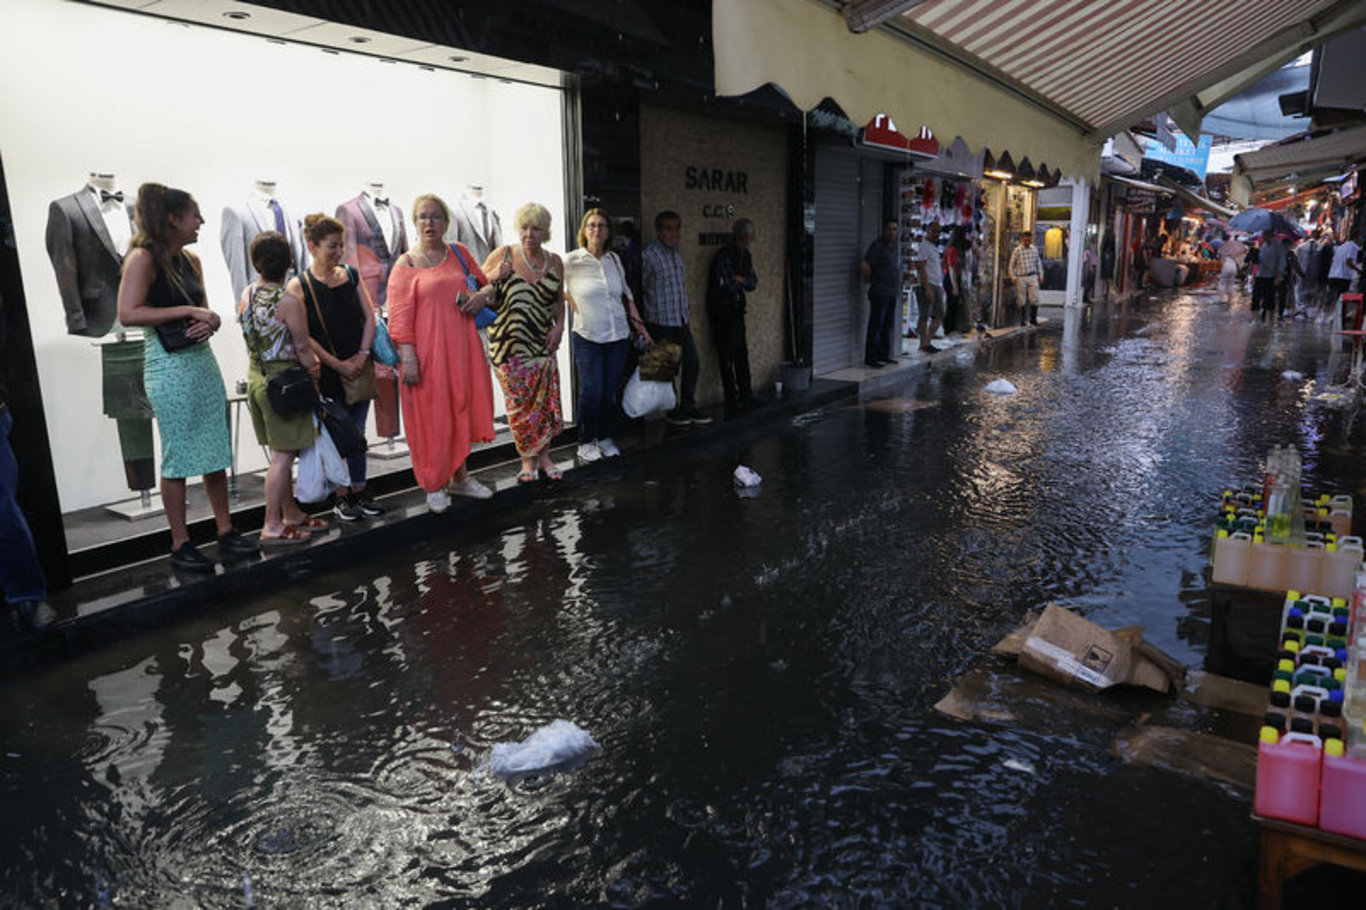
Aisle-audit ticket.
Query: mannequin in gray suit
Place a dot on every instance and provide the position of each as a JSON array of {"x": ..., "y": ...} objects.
[
  {"x": 87, "y": 235},
  {"x": 475, "y": 224},
  {"x": 262, "y": 211}
]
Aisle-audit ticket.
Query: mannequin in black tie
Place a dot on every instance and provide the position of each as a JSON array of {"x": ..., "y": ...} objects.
[
  {"x": 87, "y": 236},
  {"x": 474, "y": 223},
  {"x": 376, "y": 235},
  {"x": 262, "y": 211}
]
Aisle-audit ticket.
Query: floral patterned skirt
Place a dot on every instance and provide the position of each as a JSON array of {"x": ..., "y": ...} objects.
[{"x": 531, "y": 388}]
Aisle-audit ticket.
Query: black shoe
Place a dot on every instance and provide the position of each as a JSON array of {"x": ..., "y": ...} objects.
[
  {"x": 678, "y": 418},
  {"x": 872, "y": 364},
  {"x": 346, "y": 508},
  {"x": 368, "y": 507},
  {"x": 188, "y": 559},
  {"x": 697, "y": 417},
  {"x": 234, "y": 544},
  {"x": 34, "y": 615},
  {"x": 931, "y": 349}
]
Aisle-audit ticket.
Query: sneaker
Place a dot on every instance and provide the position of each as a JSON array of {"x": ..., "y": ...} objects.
[
  {"x": 187, "y": 558},
  {"x": 590, "y": 451},
  {"x": 438, "y": 502},
  {"x": 346, "y": 508},
  {"x": 471, "y": 488},
  {"x": 368, "y": 507},
  {"x": 678, "y": 418},
  {"x": 608, "y": 448},
  {"x": 234, "y": 544},
  {"x": 34, "y": 615},
  {"x": 698, "y": 417}
]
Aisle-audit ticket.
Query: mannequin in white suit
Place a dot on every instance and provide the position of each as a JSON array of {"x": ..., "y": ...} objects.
[
  {"x": 475, "y": 224},
  {"x": 262, "y": 211}
]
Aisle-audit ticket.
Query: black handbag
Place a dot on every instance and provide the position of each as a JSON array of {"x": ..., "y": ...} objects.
[
  {"x": 345, "y": 436},
  {"x": 291, "y": 391},
  {"x": 173, "y": 334}
]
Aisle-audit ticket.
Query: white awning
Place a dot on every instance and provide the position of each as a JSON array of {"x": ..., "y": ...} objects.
[{"x": 1304, "y": 161}]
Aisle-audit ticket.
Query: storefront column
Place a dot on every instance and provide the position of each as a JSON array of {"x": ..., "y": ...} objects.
[{"x": 1076, "y": 244}]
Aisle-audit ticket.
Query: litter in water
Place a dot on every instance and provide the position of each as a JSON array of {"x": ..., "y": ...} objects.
[
  {"x": 1001, "y": 387},
  {"x": 744, "y": 477},
  {"x": 557, "y": 743},
  {"x": 1016, "y": 764},
  {"x": 1292, "y": 375}
]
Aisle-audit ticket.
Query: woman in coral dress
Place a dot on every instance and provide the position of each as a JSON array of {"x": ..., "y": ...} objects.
[{"x": 447, "y": 393}]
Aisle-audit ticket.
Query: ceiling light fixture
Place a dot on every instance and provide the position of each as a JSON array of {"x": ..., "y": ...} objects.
[{"x": 237, "y": 15}]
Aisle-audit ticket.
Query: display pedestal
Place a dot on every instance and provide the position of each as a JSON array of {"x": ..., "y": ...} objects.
[
  {"x": 391, "y": 448},
  {"x": 148, "y": 506}
]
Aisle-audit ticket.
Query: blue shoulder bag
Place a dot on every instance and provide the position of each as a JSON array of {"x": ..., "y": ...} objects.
[{"x": 485, "y": 317}]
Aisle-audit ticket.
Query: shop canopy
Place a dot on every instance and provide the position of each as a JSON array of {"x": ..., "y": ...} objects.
[
  {"x": 1049, "y": 80},
  {"x": 1302, "y": 162}
]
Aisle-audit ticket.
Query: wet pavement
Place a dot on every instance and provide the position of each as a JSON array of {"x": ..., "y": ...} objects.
[{"x": 759, "y": 670}]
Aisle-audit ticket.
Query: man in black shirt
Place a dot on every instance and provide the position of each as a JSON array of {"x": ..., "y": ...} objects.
[
  {"x": 732, "y": 275},
  {"x": 881, "y": 268}
]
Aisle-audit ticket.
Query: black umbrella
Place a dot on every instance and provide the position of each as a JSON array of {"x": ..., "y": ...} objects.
[{"x": 1255, "y": 221}]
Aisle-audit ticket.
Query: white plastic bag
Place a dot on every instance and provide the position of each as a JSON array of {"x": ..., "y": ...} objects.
[
  {"x": 321, "y": 469},
  {"x": 559, "y": 742},
  {"x": 1001, "y": 387},
  {"x": 645, "y": 397}
]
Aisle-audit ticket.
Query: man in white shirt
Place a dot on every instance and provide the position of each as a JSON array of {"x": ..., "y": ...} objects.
[
  {"x": 1346, "y": 266},
  {"x": 931, "y": 270}
]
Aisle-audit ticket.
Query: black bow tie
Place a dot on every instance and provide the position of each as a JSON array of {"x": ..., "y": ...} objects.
[
  {"x": 379, "y": 201},
  {"x": 105, "y": 196}
]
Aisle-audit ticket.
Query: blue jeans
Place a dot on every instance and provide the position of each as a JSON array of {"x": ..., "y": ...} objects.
[
  {"x": 21, "y": 577},
  {"x": 356, "y": 463},
  {"x": 600, "y": 367}
]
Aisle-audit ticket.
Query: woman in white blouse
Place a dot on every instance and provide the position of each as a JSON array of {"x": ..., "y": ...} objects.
[{"x": 605, "y": 318}]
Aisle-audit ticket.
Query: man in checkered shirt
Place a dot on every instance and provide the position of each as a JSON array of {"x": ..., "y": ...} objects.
[
  {"x": 666, "y": 310},
  {"x": 1025, "y": 272}
]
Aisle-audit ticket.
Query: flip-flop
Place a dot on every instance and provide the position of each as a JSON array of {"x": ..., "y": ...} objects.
[
  {"x": 289, "y": 534},
  {"x": 526, "y": 477},
  {"x": 312, "y": 523}
]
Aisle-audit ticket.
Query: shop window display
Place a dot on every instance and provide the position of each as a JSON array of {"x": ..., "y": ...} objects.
[{"x": 490, "y": 142}]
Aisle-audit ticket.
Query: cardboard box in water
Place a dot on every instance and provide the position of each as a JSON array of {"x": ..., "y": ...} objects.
[{"x": 1074, "y": 650}]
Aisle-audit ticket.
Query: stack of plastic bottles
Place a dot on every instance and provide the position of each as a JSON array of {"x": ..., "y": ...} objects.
[
  {"x": 1267, "y": 538},
  {"x": 1311, "y": 761}
]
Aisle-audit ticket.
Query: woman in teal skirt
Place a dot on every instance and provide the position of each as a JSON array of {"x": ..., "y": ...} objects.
[{"x": 163, "y": 290}]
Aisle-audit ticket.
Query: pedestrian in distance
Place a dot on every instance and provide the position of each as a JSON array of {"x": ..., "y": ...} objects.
[
  {"x": 276, "y": 333},
  {"x": 731, "y": 278},
  {"x": 163, "y": 288},
  {"x": 931, "y": 270},
  {"x": 668, "y": 313},
  {"x": 1271, "y": 274},
  {"x": 606, "y": 318},
  {"x": 1024, "y": 271},
  {"x": 446, "y": 393},
  {"x": 1344, "y": 270},
  {"x": 341, "y": 329},
  {"x": 881, "y": 268},
  {"x": 525, "y": 336}
]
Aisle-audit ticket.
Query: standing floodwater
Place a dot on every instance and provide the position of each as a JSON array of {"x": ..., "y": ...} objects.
[{"x": 758, "y": 671}]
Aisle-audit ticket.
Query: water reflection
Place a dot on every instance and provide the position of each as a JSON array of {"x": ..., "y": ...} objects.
[{"x": 758, "y": 670}]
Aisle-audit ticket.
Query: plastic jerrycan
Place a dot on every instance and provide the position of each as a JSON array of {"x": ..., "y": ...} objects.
[
  {"x": 1231, "y": 553},
  {"x": 1340, "y": 564},
  {"x": 1342, "y": 806},
  {"x": 1340, "y": 515},
  {"x": 1266, "y": 566},
  {"x": 1289, "y": 770},
  {"x": 1304, "y": 567}
]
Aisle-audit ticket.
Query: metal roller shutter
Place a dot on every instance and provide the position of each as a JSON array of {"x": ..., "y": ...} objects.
[{"x": 848, "y": 208}]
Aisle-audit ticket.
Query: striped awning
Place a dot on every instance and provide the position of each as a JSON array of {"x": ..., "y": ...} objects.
[
  {"x": 1052, "y": 79},
  {"x": 1106, "y": 64}
]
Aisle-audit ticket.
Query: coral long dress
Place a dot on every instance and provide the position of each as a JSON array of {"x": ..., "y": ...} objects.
[{"x": 451, "y": 405}]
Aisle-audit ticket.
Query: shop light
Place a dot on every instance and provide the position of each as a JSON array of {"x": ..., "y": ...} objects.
[
  {"x": 458, "y": 59},
  {"x": 1002, "y": 168},
  {"x": 358, "y": 39},
  {"x": 237, "y": 15}
]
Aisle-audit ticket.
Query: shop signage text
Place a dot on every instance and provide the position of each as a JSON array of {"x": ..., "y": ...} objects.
[{"x": 715, "y": 179}]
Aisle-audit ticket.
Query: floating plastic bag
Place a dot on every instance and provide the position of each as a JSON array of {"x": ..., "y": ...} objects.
[
  {"x": 643, "y": 396},
  {"x": 1001, "y": 387},
  {"x": 557, "y": 743},
  {"x": 1292, "y": 375},
  {"x": 321, "y": 469},
  {"x": 746, "y": 477}
]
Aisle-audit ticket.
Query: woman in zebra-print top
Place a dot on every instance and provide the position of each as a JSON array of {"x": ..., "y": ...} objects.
[{"x": 525, "y": 336}]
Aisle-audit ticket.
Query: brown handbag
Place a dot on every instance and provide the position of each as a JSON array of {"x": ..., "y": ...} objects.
[{"x": 363, "y": 387}]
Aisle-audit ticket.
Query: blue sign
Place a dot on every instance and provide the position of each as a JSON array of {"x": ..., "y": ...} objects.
[{"x": 1194, "y": 158}]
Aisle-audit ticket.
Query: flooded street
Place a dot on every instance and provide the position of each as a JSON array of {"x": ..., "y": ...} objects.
[{"x": 759, "y": 671}]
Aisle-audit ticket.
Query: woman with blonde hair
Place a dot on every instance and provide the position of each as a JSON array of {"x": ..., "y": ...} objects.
[
  {"x": 163, "y": 288},
  {"x": 447, "y": 397},
  {"x": 524, "y": 338},
  {"x": 596, "y": 289}
]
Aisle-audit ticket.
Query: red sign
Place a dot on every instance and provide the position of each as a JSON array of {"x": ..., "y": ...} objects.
[{"x": 882, "y": 133}]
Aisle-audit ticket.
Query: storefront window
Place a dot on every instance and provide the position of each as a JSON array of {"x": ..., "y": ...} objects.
[
  {"x": 236, "y": 120},
  {"x": 1051, "y": 235}
]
